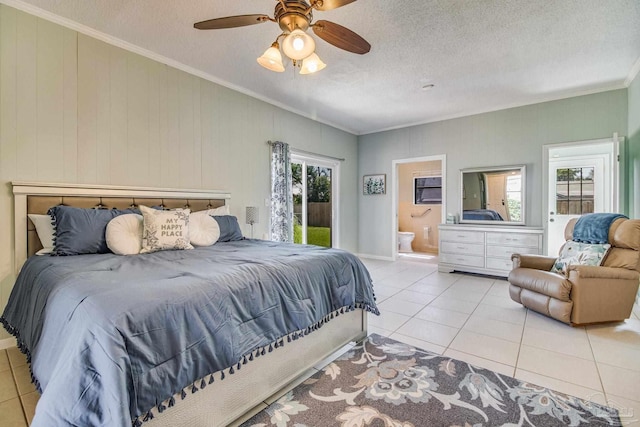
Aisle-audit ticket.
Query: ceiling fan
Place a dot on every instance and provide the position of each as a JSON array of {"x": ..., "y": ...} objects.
[{"x": 295, "y": 17}]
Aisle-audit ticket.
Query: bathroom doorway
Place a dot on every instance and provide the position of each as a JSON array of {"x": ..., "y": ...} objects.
[{"x": 419, "y": 197}]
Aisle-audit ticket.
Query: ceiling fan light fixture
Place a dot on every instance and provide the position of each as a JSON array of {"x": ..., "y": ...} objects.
[
  {"x": 271, "y": 59},
  {"x": 298, "y": 45},
  {"x": 295, "y": 17},
  {"x": 312, "y": 64}
]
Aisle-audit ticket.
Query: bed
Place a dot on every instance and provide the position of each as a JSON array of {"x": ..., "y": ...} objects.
[
  {"x": 482, "y": 215},
  {"x": 210, "y": 383}
]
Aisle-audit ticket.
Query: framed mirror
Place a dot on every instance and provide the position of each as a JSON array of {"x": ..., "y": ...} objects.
[{"x": 493, "y": 195}]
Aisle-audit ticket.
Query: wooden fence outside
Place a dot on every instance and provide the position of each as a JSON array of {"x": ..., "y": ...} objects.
[{"x": 318, "y": 214}]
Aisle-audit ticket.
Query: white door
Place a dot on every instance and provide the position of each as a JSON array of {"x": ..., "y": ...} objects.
[
  {"x": 577, "y": 186},
  {"x": 497, "y": 194}
]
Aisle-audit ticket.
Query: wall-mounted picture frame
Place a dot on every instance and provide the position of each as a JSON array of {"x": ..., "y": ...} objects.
[{"x": 374, "y": 184}]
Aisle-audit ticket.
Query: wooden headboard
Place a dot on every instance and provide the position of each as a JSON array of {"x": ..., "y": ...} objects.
[{"x": 37, "y": 198}]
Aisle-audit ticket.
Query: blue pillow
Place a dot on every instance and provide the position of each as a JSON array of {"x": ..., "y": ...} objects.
[
  {"x": 229, "y": 228},
  {"x": 82, "y": 231}
]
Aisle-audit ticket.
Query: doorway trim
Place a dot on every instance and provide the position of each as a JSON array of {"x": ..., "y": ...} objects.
[
  {"x": 616, "y": 172},
  {"x": 395, "y": 190}
]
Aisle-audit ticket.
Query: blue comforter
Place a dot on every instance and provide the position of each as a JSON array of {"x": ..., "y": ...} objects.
[
  {"x": 109, "y": 337},
  {"x": 482, "y": 214}
]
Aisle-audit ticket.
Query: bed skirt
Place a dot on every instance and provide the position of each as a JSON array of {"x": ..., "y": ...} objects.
[{"x": 223, "y": 402}]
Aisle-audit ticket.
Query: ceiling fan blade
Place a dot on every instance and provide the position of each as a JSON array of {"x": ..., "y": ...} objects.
[
  {"x": 330, "y": 4},
  {"x": 231, "y": 22},
  {"x": 341, "y": 37}
]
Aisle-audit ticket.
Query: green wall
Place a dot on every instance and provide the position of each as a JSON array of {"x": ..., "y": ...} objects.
[
  {"x": 506, "y": 137},
  {"x": 633, "y": 149}
]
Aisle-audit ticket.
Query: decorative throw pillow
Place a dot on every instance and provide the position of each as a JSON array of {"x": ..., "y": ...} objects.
[
  {"x": 165, "y": 230},
  {"x": 576, "y": 253},
  {"x": 45, "y": 231},
  {"x": 124, "y": 234},
  {"x": 82, "y": 231},
  {"x": 229, "y": 228},
  {"x": 203, "y": 229},
  {"x": 221, "y": 211}
]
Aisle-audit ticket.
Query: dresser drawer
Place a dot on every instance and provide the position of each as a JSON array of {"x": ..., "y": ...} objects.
[
  {"x": 462, "y": 236},
  {"x": 468, "y": 260},
  {"x": 502, "y": 264},
  {"x": 512, "y": 239},
  {"x": 507, "y": 251},
  {"x": 462, "y": 248}
]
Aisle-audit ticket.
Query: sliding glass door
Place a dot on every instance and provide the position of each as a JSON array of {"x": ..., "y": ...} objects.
[{"x": 314, "y": 181}]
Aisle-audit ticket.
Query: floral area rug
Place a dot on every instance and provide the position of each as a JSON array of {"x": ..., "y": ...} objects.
[{"x": 385, "y": 383}]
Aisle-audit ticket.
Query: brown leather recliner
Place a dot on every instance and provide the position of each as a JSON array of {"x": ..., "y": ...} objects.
[{"x": 587, "y": 294}]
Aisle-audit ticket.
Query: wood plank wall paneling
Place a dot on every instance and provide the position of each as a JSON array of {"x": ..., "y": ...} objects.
[
  {"x": 154, "y": 71},
  {"x": 50, "y": 96},
  {"x": 137, "y": 92},
  {"x": 8, "y": 147},
  {"x": 26, "y": 43},
  {"x": 70, "y": 106},
  {"x": 8, "y": 102},
  {"x": 76, "y": 109}
]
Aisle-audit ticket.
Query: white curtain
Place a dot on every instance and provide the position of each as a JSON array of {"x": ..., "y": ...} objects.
[{"x": 281, "y": 193}]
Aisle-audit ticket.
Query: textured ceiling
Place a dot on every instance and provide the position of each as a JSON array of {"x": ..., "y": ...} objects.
[{"x": 481, "y": 55}]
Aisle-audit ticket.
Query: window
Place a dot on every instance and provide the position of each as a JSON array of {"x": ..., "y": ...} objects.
[
  {"x": 427, "y": 190},
  {"x": 574, "y": 191},
  {"x": 514, "y": 197}
]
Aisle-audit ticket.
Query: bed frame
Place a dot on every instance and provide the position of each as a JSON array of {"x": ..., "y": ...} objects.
[{"x": 222, "y": 402}]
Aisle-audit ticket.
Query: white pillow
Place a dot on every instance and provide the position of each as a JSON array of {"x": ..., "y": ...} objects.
[
  {"x": 124, "y": 234},
  {"x": 222, "y": 210},
  {"x": 203, "y": 229},
  {"x": 165, "y": 229},
  {"x": 45, "y": 231}
]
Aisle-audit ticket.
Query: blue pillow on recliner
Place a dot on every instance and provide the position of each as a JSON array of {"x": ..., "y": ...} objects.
[{"x": 82, "y": 231}]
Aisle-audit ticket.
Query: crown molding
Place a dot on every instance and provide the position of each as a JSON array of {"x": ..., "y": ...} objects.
[
  {"x": 539, "y": 100},
  {"x": 633, "y": 73},
  {"x": 88, "y": 31},
  {"x": 114, "y": 41}
]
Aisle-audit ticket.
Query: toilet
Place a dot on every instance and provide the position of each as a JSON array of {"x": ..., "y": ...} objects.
[{"x": 404, "y": 241}]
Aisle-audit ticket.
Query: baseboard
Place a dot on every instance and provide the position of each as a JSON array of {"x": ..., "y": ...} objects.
[
  {"x": 380, "y": 257},
  {"x": 7, "y": 342}
]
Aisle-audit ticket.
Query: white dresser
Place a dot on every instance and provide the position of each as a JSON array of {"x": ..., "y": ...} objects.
[{"x": 485, "y": 249}]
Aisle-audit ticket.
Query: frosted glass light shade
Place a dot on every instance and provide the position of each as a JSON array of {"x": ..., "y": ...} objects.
[
  {"x": 271, "y": 59},
  {"x": 311, "y": 64},
  {"x": 298, "y": 45}
]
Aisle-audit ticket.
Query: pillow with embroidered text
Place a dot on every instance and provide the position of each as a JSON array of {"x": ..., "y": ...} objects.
[{"x": 164, "y": 230}]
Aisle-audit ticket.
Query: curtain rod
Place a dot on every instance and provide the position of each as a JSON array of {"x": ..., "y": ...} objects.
[{"x": 309, "y": 153}]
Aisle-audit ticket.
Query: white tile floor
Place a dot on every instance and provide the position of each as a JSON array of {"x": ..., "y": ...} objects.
[{"x": 472, "y": 318}]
